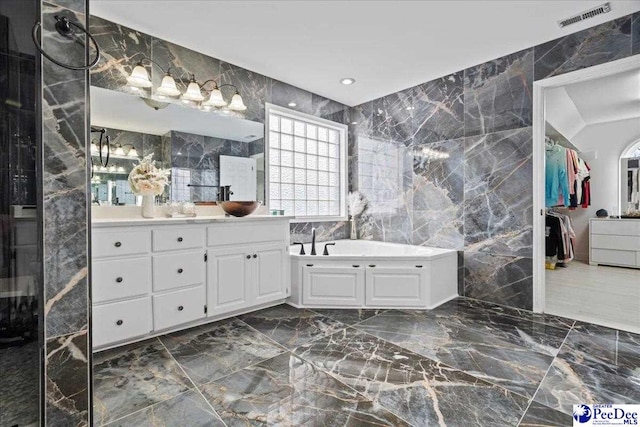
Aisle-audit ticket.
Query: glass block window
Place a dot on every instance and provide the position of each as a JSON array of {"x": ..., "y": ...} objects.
[{"x": 306, "y": 164}]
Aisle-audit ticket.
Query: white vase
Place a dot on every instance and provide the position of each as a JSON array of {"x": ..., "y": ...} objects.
[
  {"x": 354, "y": 231},
  {"x": 149, "y": 206}
]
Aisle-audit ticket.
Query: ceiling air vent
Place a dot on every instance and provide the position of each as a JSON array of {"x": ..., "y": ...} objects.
[{"x": 598, "y": 10}]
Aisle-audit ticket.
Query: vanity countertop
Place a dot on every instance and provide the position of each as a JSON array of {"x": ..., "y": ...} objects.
[{"x": 122, "y": 222}]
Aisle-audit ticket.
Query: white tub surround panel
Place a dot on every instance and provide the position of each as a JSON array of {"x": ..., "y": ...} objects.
[
  {"x": 614, "y": 241},
  {"x": 373, "y": 274},
  {"x": 156, "y": 276}
]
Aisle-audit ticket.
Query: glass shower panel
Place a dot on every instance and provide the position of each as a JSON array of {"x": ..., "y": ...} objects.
[{"x": 20, "y": 269}]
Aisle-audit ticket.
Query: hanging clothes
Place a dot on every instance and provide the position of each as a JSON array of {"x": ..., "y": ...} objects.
[
  {"x": 560, "y": 240},
  {"x": 556, "y": 180}
]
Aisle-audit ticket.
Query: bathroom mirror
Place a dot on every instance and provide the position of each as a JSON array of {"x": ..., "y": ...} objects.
[
  {"x": 184, "y": 139},
  {"x": 630, "y": 187}
]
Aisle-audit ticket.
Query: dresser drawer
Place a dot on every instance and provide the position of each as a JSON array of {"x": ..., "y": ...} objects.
[
  {"x": 172, "y": 239},
  {"x": 106, "y": 243},
  {"x": 121, "y": 321},
  {"x": 120, "y": 278},
  {"x": 175, "y": 308},
  {"x": 613, "y": 257},
  {"x": 173, "y": 271},
  {"x": 620, "y": 227},
  {"x": 623, "y": 243},
  {"x": 233, "y": 234}
]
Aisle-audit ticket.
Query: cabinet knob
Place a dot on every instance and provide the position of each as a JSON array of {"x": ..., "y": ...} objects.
[
  {"x": 119, "y": 280},
  {"x": 118, "y": 244},
  {"x": 255, "y": 255},
  {"x": 309, "y": 265},
  {"x": 119, "y": 322},
  {"x": 180, "y": 308},
  {"x": 180, "y": 271},
  {"x": 180, "y": 239},
  {"x": 355, "y": 265},
  {"x": 248, "y": 256},
  {"x": 372, "y": 265},
  {"x": 418, "y": 266}
]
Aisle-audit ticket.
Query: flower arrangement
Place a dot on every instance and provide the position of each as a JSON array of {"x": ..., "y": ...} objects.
[
  {"x": 146, "y": 179},
  {"x": 356, "y": 203}
]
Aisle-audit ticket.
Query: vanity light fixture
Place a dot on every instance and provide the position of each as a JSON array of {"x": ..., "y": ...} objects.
[
  {"x": 133, "y": 152},
  {"x": 118, "y": 151},
  {"x": 236, "y": 102},
  {"x": 348, "y": 81},
  {"x": 168, "y": 86},
  {"x": 193, "y": 92},
  {"x": 139, "y": 76}
]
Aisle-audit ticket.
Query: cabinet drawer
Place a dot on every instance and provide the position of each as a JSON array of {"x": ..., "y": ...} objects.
[
  {"x": 107, "y": 243},
  {"x": 120, "y": 321},
  {"x": 172, "y": 239},
  {"x": 232, "y": 234},
  {"x": 173, "y": 271},
  {"x": 613, "y": 257},
  {"x": 175, "y": 308},
  {"x": 120, "y": 278},
  {"x": 620, "y": 227},
  {"x": 333, "y": 286},
  {"x": 623, "y": 243}
]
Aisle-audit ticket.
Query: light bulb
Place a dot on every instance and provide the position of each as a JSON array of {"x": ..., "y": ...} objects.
[
  {"x": 120, "y": 169},
  {"x": 215, "y": 99},
  {"x": 133, "y": 152},
  {"x": 112, "y": 168},
  {"x": 168, "y": 86},
  {"x": 118, "y": 151},
  {"x": 236, "y": 103},
  {"x": 105, "y": 150},
  {"x": 139, "y": 77},
  {"x": 193, "y": 92},
  {"x": 94, "y": 148}
]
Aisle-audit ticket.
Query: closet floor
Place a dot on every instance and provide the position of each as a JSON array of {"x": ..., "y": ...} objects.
[
  {"x": 608, "y": 296},
  {"x": 464, "y": 363}
]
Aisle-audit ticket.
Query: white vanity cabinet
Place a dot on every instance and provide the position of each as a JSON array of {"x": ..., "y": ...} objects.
[
  {"x": 248, "y": 274},
  {"x": 160, "y": 276},
  {"x": 614, "y": 241}
]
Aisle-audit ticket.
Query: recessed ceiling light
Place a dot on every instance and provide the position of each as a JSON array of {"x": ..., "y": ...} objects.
[
  {"x": 348, "y": 81},
  {"x": 292, "y": 104}
]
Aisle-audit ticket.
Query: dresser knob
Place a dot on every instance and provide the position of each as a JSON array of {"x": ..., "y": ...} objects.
[
  {"x": 119, "y": 322},
  {"x": 180, "y": 308},
  {"x": 118, "y": 244},
  {"x": 179, "y": 239},
  {"x": 255, "y": 255},
  {"x": 119, "y": 280},
  {"x": 248, "y": 256},
  {"x": 180, "y": 271}
]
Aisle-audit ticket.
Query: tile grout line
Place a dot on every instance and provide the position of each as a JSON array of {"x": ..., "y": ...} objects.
[
  {"x": 148, "y": 406},
  {"x": 545, "y": 376},
  {"x": 195, "y": 386}
]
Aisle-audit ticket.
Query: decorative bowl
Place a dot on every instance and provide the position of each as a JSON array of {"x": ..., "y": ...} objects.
[{"x": 235, "y": 208}]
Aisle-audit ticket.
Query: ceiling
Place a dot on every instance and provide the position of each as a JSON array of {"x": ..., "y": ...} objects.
[
  {"x": 386, "y": 46},
  {"x": 572, "y": 108}
]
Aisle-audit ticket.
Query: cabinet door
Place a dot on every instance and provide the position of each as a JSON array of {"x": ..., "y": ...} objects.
[
  {"x": 270, "y": 272},
  {"x": 333, "y": 286},
  {"x": 228, "y": 279},
  {"x": 396, "y": 287}
]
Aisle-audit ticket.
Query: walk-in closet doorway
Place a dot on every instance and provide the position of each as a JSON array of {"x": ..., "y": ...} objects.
[{"x": 587, "y": 267}]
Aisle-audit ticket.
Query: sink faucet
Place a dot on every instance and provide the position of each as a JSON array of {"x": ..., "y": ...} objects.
[{"x": 313, "y": 241}]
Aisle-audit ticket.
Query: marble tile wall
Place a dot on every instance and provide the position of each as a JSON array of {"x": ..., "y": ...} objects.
[
  {"x": 66, "y": 217},
  {"x": 471, "y": 141}
]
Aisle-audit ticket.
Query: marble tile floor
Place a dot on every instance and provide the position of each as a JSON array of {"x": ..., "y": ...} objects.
[{"x": 465, "y": 363}]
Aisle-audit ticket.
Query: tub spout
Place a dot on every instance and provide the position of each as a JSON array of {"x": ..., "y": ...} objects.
[{"x": 313, "y": 241}]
